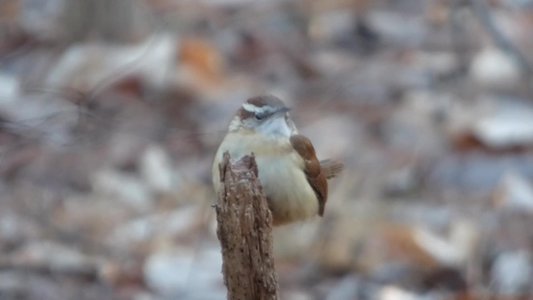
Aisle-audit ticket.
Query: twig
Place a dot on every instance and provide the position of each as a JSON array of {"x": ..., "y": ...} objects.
[{"x": 480, "y": 9}]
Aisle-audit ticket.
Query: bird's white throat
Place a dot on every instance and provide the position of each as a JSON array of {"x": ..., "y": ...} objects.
[{"x": 276, "y": 127}]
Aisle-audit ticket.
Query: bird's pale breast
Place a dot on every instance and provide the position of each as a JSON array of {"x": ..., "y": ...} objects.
[{"x": 291, "y": 198}]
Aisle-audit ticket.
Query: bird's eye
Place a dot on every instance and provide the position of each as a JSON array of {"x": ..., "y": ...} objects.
[{"x": 260, "y": 117}]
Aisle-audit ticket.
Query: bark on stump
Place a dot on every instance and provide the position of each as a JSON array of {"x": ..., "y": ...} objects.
[{"x": 245, "y": 232}]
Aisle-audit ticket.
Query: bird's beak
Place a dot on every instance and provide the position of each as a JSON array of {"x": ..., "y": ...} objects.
[{"x": 282, "y": 111}]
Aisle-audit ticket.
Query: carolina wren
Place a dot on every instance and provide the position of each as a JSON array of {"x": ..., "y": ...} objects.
[{"x": 293, "y": 179}]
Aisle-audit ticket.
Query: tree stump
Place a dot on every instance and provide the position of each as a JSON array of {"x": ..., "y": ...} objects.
[{"x": 245, "y": 232}]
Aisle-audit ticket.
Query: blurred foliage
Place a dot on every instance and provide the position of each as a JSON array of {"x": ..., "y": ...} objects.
[{"x": 110, "y": 112}]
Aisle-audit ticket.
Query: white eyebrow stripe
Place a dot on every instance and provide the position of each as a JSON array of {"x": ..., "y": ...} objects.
[{"x": 254, "y": 109}]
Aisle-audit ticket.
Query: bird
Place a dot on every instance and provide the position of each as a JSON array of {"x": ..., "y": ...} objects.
[{"x": 293, "y": 179}]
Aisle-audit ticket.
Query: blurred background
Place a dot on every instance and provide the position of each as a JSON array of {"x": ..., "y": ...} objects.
[{"x": 110, "y": 113}]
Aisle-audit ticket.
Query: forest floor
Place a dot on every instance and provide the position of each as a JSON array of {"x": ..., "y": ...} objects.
[{"x": 107, "y": 135}]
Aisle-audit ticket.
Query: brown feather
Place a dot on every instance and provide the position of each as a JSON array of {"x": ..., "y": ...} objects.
[
  {"x": 269, "y": 100},
  {"x": 312, "y": 169}
]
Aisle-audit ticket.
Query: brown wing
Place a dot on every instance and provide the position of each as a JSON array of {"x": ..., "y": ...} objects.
[{"x": 312, "y": 169}]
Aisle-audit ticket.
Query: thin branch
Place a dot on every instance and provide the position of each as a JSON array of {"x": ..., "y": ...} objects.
[{"x": 482, "y": 12}]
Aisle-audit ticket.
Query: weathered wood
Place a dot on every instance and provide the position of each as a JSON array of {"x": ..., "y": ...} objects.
[{"x": 245, "y": 232}]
